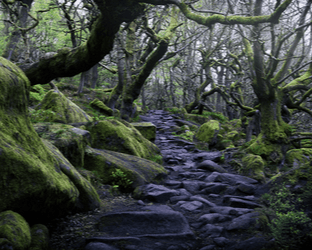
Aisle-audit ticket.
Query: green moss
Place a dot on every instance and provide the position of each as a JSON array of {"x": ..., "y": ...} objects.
[
  {"x": 15, "y": 229},
  {"x": 65, "y": 111},
  {"x": 39, "y": 237},
  {"x": 208, "y": 132},
  {"x": 99, "y": 105},
  {"x": 299, "y": 156},
  {"x": 121, "y": 136},
  {"x": 147, "y": 129},
  {"x": 253, "y": 166},
  {"x": 138, "y": 170}
]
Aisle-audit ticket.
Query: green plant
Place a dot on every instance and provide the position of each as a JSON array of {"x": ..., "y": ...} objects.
[
  {"x": 290, "y": 226},
  {"x": 121, "y": 180},
  {"x": 156, "y": 158}
]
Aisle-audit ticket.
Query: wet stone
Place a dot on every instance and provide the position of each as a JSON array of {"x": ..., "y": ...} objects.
[
  {"x": 246, "y": 188},
  {"x": 212, "y": 156},
  {"x": 211, "y": 166},
  {"x": 214, "y": 188},
  {"x": 230, "y": 210},
  {"x": 244, "y": 221},
  {"x": 190, "y": 206},
  {"x": 234, "y": 202},
  {"x": 210, "y": 230},
  {"x": 214, "y": 218}
]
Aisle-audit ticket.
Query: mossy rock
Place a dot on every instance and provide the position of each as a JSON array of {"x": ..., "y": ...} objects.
[
  {"x": 64, "y": 110},
  {"x": 121, "y": 136},
  {"x": 69, "y": 140},
  {"x": 101, "y": 107},
  {"x": 196, "y": 118},
  {"x": 33, "y": 182},
  {"x": 208, "y": 132},
  {"x": 39, "y": 237},
  {"x": 295, "y": 157},
  {"x": 15, "y": 230},
  {"x": 253, "y": 166},
  {"x": 147, "y": 129},
  {"x": 138, "y": 170}
]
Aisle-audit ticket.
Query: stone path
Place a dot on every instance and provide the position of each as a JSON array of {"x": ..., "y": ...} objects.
[{"x": 201, "y": 204}]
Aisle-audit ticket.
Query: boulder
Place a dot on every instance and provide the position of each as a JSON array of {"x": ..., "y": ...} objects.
[
  {"x": 63, "y": 109},
  {"x": 155, "y": 192},
  {"x": 14, "y": 231},
  {"x": 39, "y": 237},
  {"x": 121, "y": 136},
  {"x": 69, "y": 140},
  {"x": 101, "y": 107},
  {"x": 147, "y": 129},
  {"x": 297, "y": 157},
  {"x": 138, "y": 170},
  {"x": 253, "y": 166},
  {"x": 208, "y": 132},
  {"x": 34, "y": 183}
]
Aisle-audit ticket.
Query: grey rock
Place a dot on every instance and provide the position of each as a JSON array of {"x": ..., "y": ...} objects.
[
  {"x": 222, "y": 241},
  {"x": 243, "y": 222},
  {"x": 210, "y": 247},
  {"x": 203, "y": 200},
  {"x": 175, "y": 199},
  {"x": 158, "y": 193},
  {"x": 191, "y": 186},
  {"x": 211, "y": 231},
  {"x": 214, "y": 218},
  {"x": 234, "y": 202},
  {"x": 246, "y": 188},
  {"x": 214, "y": 188},
  {"x": 231, "y": 179},
  {"x": 253, "y": 243},
  {"x": 212, "y": 156},
  {"x": 230, "y": 210},
  {"x": 211, "y": 166},
  {"x": 190, "y": 206},
  {"x": 99, "y": 246}
]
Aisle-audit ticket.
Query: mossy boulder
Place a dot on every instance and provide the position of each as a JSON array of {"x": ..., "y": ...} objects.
[
  {"x": 39, "y": 237},
  {"x": 101, "y": 107},
  {"x": 63, "y": 109},
  {"x": 208, "y": 132},
  {"x": 71, "y": 141},
  {"x": 33, "y": 182},
  {"x": 140, "y": 171},
  {"x": 147, "y": 129},
  {"x": 121, "y": 136},
  {"x": 253, "y": 166},
  {"x": 296, "y": 157},
  {"x": 14, "y": 230}
]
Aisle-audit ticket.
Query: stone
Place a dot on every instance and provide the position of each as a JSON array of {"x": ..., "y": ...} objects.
[
  {"x": 253, "y": 166},
  {"x": 214, "y": 218},
  {"x": 211, "y": 166},
  {"x": 208, "y": 132},
  {"x": 15, "y": 230},
  {"x": 244, "y": 221},
  {"x": 222, "y": 241},
  {"x": 231, "y": 179},
  {"x": 71, "y": 141},
  {"x": 138, "y": 170},
  {"x": 155, "y": 192},
  {"x": 121, "y": 136},
  {"x": 62, "y": 109},
  {"x": 160, "y": 224},
  {"x": 147, "y": 129},
  {"x": 101, "y": 107},
  {"x": 214, "y": 188},
  {"x": 191, "y": 186},
  {"x": 254, "y": 243},
  {"x": 210, "y": 230},
  {"x": 230, "y": 210},
  {"x": 212, "y": 156},
  {"x": 234, "y": 202},
  {"x": 99, "y": 246},
  {"x": 203, "y": 200},
  {"x": 191, "y": 206},
  {"x": 35, "y": 181},
  {"x": 39, "y": 237},
  {"x": 246, "y": 188}
]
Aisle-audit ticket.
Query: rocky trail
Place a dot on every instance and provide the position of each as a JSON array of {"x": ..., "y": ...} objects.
[{"x": 202, "y": 204}]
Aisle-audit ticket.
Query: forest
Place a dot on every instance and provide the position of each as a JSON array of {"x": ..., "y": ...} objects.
[{"x": 237, "y": 76}]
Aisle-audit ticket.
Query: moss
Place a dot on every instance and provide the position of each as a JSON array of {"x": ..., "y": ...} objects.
[
  {"x": 65, "y": 111},
  {"x": 31, "y": 180},
  {"x": 147, "y": 129},
  {"x": 253, "y": 166},
  {"x": 121, "y": 136},
  {"x": 39, "y": 237},
  {"x": 208, "y": 132},
  {"x": 99, "y": 105},
  {"x": 299, "y": 156},
  {"x": 138, "y": 170},
  {"x": 15, "y": 229}
]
